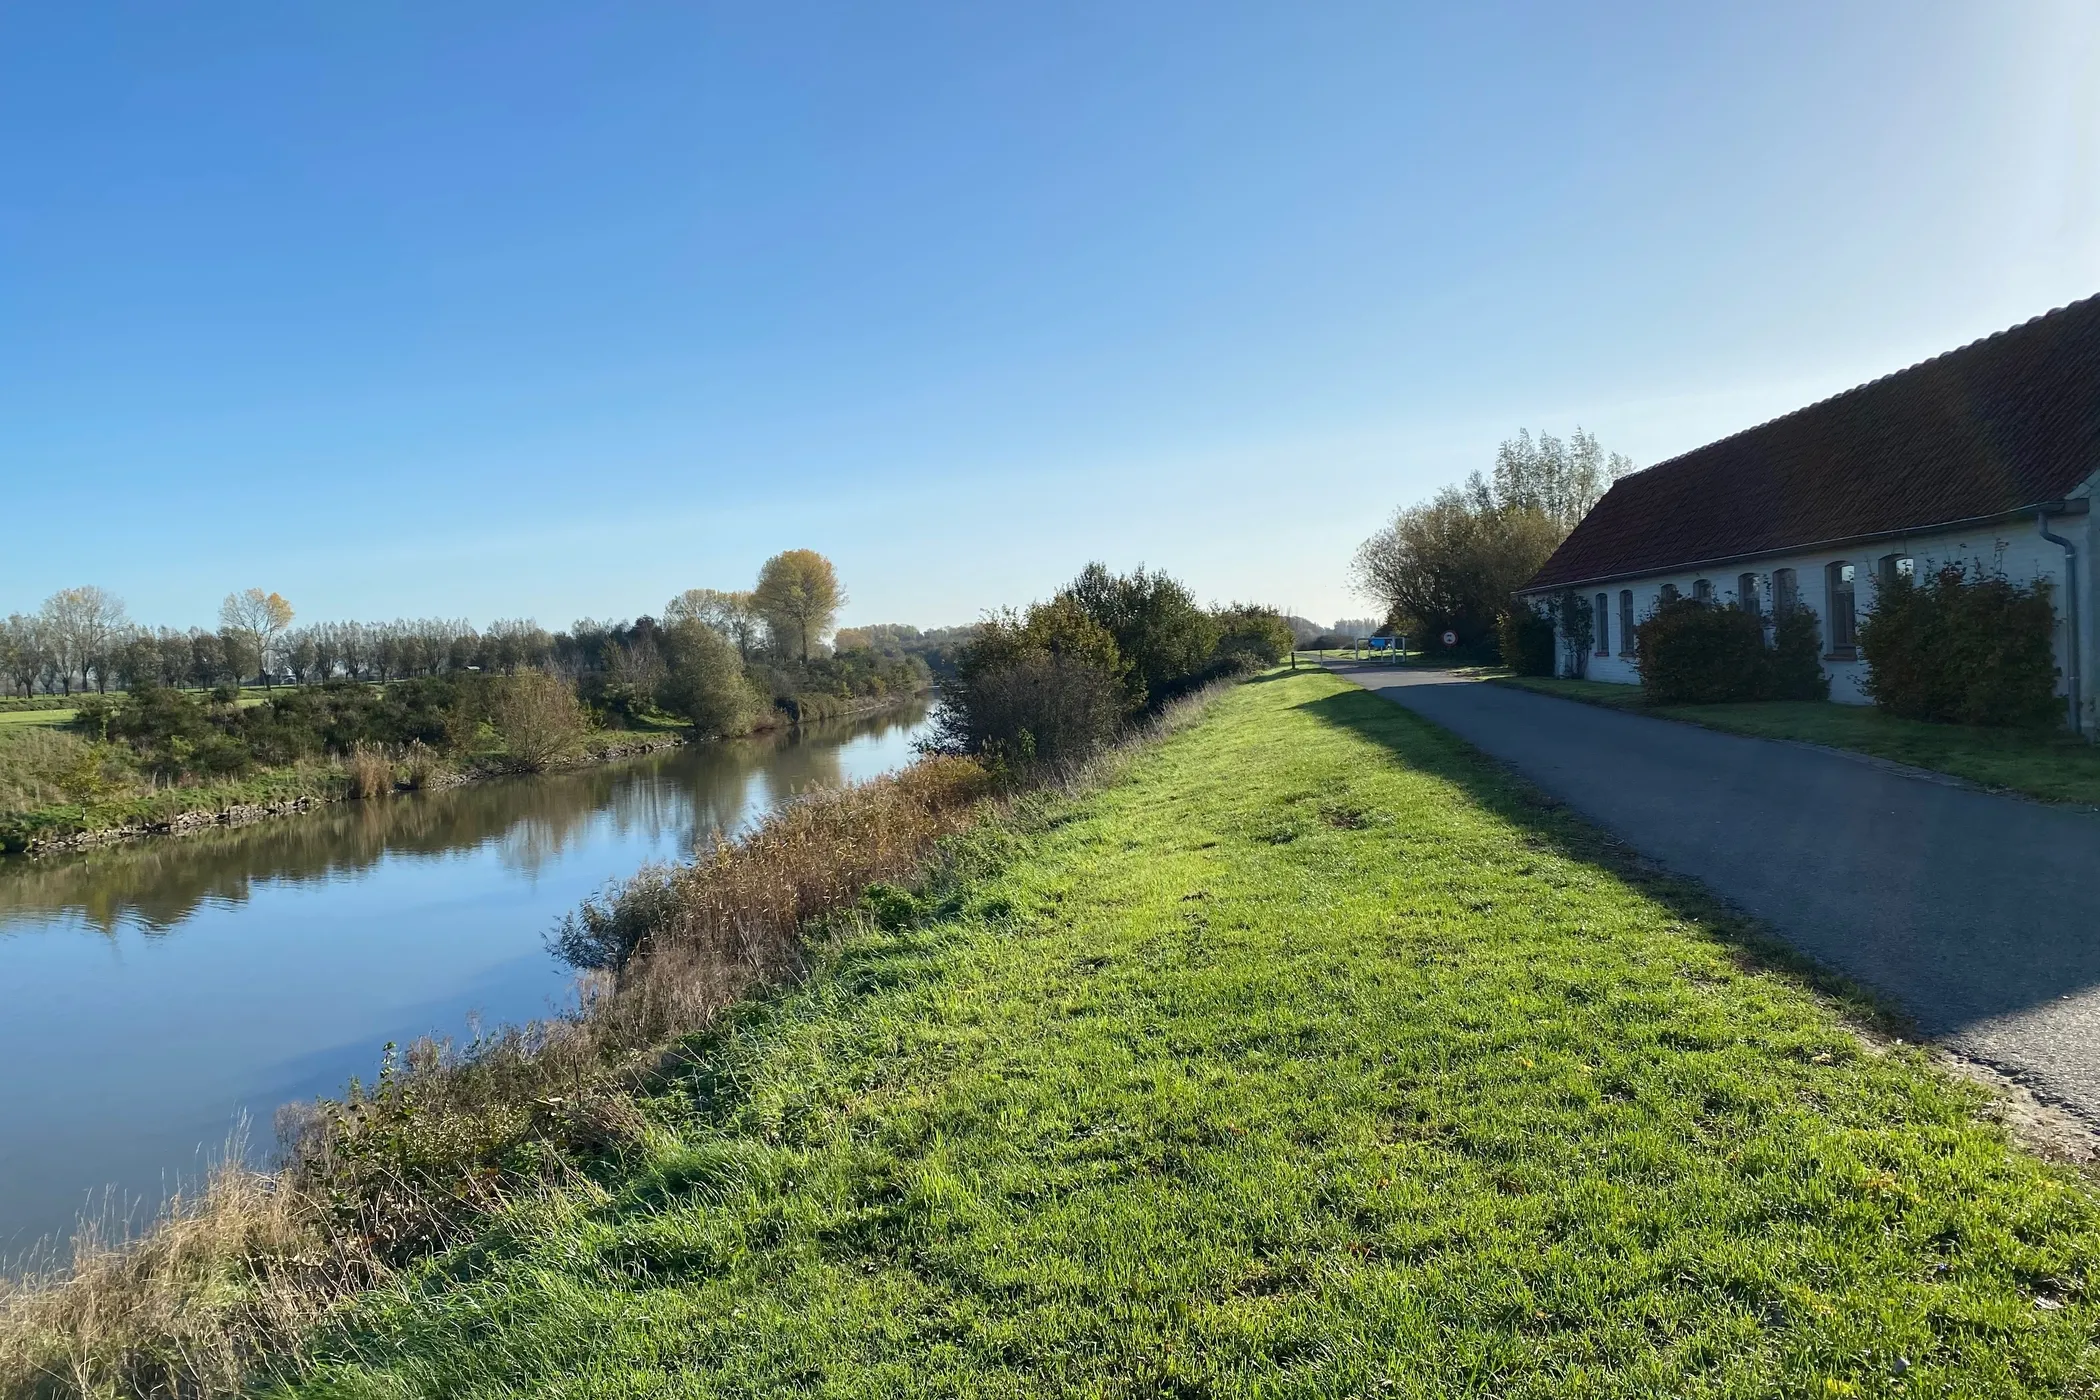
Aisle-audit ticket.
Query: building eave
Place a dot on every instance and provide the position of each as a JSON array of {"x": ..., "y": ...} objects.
[{"x": 2078, "y": 505}]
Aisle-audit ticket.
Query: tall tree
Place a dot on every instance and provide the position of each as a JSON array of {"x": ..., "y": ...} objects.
[
  {"x": 798, "y": 595},
  {"x": 258, "y": 619},
  {"x": 1451, "y": 563},
  {"x": 81, "y": 625},
  {"x": 733, "y": 615},
  {"x": 21, "y": 651},
  {"x": 1561, "y": 480}
]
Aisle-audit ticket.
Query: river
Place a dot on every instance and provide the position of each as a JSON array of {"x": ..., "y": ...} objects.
[{"x": 154, "y": 994}]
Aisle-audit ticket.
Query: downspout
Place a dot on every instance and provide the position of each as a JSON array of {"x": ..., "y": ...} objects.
[{"x": 2041, "y": 518}]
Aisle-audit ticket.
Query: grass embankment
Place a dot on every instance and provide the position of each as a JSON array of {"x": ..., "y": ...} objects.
[
  {"x": 1313, "y": 1058},
  {"x": 2049, "y": 765}
]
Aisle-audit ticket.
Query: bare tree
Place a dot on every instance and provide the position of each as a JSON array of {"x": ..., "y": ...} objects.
[
  {"x": 257, "y": 619},
  {"x": 733, "y": 615},
  {"x": 80, "y": 627},
  {"x": 22, "y": 651}
]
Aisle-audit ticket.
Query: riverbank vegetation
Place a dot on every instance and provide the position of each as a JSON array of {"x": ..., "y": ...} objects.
[
  {"x": 1306, "y": 1053},
  {"x": 369, "y": 711},
  {"x": 1040, "y": 690}
]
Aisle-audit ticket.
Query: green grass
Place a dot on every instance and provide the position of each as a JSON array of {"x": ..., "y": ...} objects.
[
  {"x": 24, "y": 718},
  {"x": 1312, "y": 1058},
  {"x": 2051, "y": 766}
]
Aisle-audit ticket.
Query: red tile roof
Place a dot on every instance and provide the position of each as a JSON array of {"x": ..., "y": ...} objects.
[{"x": 2012, "y": 420}]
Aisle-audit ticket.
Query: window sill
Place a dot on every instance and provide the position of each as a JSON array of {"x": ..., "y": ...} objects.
[{"x": 1841, "y": 655}]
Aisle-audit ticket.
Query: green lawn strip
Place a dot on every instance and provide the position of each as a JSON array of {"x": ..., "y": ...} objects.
[
  {"x": 2051, "y": 766},
  {"x": 25, "y": 718},
  {"x": 1315, "y": 1057}
]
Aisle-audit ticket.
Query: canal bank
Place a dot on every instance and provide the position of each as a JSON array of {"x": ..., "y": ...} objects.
[{"x": 171, "y": 986}]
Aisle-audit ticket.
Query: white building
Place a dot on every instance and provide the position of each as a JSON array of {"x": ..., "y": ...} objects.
[{"x": 1979, "y": 456}]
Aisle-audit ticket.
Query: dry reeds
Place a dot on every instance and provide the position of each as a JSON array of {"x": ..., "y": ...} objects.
[
  {"x": 423, "y": 765},
  {"x": 224, "y": 1282},
  {"x": 371, "y": 771}
]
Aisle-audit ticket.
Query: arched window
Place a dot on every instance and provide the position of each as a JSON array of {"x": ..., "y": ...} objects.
[
  {"x": 1603, "y": 625},
  {"x": 1844, "y": 632},
  {"x": 1746, "y": 595},
  {"x": 1669, "y": 593},
  {"x": 1626, "y": 622},
  {"x": 1786, "y": 593},
  {"x": 1702, "y": 590},
  {"x": 1892, "y": 566}
]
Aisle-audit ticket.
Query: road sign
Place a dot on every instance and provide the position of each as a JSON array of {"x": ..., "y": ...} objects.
[{"x": 1451, "y": 639}]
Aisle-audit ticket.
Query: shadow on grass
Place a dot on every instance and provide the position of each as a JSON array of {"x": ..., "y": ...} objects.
[{"x": 1419, "y": 744}]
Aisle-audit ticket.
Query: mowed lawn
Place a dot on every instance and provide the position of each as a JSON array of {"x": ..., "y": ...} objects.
[{"x": 1312, "y": 1058}]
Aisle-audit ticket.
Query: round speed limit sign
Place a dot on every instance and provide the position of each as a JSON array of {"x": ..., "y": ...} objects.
[{"x": 1451, "y": 639}]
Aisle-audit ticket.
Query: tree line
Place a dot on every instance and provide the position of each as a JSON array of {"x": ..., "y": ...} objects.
[
  {"x": 84, "y": 639},
  {"x": 1453, "y": 563}
]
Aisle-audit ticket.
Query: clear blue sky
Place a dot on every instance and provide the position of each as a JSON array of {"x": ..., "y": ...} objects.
[{"x": 554, "y": 309}]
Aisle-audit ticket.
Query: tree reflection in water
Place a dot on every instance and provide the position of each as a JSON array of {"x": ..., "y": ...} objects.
[{"x": 155, "y": 885}]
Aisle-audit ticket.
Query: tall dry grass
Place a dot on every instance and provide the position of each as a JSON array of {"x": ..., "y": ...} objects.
[
  {"x": 371, "y": 771},
  {"x": 198, "y": 1306}
]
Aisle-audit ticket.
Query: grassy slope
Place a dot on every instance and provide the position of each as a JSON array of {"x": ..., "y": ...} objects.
[
  {"x": 1312, "y": 1059},
  {"x": 2053, "y": 767}
]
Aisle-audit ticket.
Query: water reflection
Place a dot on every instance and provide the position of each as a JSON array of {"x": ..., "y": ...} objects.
[
  {"x": 684, "y": 795},
  {"x": 152, "y": 991}
]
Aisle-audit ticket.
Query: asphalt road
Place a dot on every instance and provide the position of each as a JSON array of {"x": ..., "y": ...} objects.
[{"x": 1979, "y": 914}]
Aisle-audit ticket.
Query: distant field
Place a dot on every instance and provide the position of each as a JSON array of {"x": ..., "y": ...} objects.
[
  {"x": 52, "y": 719},
  {"x": 25, "y": 718}
]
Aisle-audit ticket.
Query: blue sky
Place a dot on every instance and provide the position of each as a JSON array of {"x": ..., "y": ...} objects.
[{"x": 554, "y": 310}]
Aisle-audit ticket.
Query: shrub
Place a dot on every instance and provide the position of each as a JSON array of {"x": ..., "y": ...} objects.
[
  {"x": 1040, "y": 711},
  {"x": 1527, "y": 641},
  {"x": 1694, "y": 653},
  {"x": 1166, "y": 641},
  {"x": 1963, "y": 650},
  {"x": 704, "y": 684},
  {"x": 1037, "y": 691},
  {"x": 1794, "y": 666},
  {"x": 1249, "y": 638},
  {"x": 371, "y": 772},
  {"x": 538, "y": 717}
]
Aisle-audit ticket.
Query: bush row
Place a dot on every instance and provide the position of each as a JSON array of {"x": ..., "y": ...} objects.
[
  {"x": 1698, "y": 653},
  {"x": 1045, "y": 688}
]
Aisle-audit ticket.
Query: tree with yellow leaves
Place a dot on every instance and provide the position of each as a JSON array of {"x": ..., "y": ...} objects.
[{"x": 258, "y": 619}]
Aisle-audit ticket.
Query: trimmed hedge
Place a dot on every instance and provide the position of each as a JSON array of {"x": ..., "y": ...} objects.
[
  {"x": 1963, "y": 650},
  {"x": 1696, "y": 653}
]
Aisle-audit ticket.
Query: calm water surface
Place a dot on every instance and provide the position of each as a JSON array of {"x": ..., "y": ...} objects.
[{"x": 152, "y": 994}]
